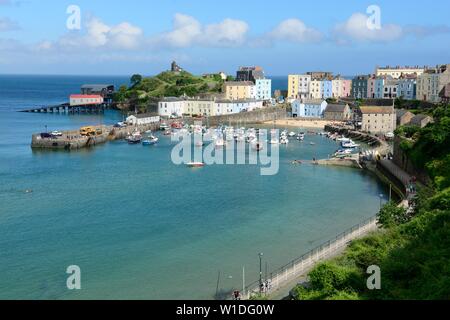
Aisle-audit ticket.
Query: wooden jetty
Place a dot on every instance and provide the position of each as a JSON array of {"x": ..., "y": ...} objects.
[{"x": 66, "y": 108}]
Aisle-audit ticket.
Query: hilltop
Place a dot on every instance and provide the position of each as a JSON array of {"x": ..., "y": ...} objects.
[{"x": 143, "y": 92}]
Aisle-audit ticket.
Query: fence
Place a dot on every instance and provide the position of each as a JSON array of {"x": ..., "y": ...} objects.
[{"x": 289, "y": 272}]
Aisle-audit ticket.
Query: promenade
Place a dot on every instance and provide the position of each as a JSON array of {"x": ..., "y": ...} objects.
[{"x": 285, "y": 278}]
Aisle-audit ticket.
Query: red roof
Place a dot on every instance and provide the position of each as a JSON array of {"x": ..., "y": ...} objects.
[{"x": 85, "y": 96}]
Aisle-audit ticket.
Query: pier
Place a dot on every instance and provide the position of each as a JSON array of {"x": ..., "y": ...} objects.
[
  {"x": 73, "y": 140},
  {"x": 66, "y": 108}
]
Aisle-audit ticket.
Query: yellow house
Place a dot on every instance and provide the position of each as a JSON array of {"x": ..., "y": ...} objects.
[
  {"x": 239, "y": 90},
  {"x": 299, "y": 86},
  {"x": 293, "y": 85},
  {"x": 199, "y": 107}
]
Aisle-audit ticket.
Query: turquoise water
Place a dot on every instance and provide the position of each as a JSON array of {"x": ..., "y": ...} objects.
[{"x": 140, "y": 227}]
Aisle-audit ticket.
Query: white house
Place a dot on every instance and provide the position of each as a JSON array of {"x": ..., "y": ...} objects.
[
  {"x": 144, "y": 118},
  {"x": 263, "y": 90},
  {"x": 224, "y": 107},
  {"x": 85, "y": 99},
  {"x": 171, "y": 106},
  {"x": 309, "y": 108}
]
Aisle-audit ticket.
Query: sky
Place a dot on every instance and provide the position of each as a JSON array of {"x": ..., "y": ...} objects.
[{"x": 205, "y": 36}]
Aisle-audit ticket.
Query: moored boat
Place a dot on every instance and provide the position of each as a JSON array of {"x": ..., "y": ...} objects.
[
  {"x": 152, "y": 140},
  {"x": 195, "y": 164}
]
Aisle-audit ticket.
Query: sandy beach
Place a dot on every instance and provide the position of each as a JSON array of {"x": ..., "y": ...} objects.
[{"x": 302, "y": 123}]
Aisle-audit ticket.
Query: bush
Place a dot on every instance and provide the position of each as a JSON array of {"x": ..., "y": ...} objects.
[{"x": 392, "y": 215}]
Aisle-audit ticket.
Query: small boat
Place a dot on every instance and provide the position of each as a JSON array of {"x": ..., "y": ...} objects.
[
  {"x": 177, "y": 125},
  {"x": 343, "y": 139},
  {"x": 312, "y": 143},
  {"x": 284, "y": 140},
  {"x": 291, "y": 134},
  {"x": 195, "y": 164},
  {"x": 152, "y": 140},
  {"x": 167, "y": 132},
  {"x": 257, "y": 146},
  {"x": 134, "y": 138},
  {"x": 274, "y": 141},
  {"x": 220, "y": 143},
  {"x": 349, "y": 145}
]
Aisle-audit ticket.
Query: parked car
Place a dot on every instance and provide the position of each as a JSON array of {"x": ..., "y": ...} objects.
[
  {"x": 120, "y": 125},
  {"x": 46, "y": 135}
]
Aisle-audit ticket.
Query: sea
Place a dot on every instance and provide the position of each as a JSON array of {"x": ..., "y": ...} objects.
[{"x": 140, "y": 227}]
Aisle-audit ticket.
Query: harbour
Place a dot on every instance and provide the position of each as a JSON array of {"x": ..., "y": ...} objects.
[{"x": 173, "y": 218}]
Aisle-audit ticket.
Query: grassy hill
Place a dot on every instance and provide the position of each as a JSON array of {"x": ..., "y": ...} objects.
[{"x": 166, "y": 84}]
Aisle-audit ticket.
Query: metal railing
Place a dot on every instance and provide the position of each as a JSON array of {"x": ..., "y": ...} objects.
[{"x": 300, "y": 265}]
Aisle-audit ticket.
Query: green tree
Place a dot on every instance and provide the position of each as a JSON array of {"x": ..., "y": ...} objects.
[
  {"x": 392, "y": 215},
  {"x": 135, "y": 80}
]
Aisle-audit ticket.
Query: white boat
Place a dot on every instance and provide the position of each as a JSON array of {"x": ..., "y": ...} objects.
[
  {"x": 134, "y": 138},
  {"x": 284, "y": 141},
  {"x": 220, "y": 143},
  {"x": 257, "y": 146},
  {"x": 343, "y": 139},
  {"x": 291, "y": 134},
  {"x": 274, "y": 141},
  {"x": 195, "y": 164},
  {"x": 150, "y": 141},
  {"x": 349, "y": 145}
]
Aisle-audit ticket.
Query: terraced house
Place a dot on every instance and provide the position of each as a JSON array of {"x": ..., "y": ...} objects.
[
  {"x": 239, "y": 90},
  {"x": 432, "y": 82},
  {"x": 341, "y": 88},
  {"x": 407, "y": 87},
  {"x": 359, "y": 87},
  {"x": 299, "y": 86}
]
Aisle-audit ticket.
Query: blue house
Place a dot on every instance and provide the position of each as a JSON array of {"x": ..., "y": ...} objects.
[
  {"x": 308, "y": 108},
  {"x": 327, "y": 89}
]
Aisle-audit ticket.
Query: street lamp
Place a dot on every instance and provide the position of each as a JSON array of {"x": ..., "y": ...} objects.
[{"x": 260, "y": 271}]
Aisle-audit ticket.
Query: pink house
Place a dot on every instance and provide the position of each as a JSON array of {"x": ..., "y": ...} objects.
[
  {"x": 371, "y": 87},
  {"x": 341, "y": 87}
]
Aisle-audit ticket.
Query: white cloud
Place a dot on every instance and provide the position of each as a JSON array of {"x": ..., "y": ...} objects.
[
  {"x": 229, "y": 32},
  {"x": 188, "y": 31},
  {"x": 295, "y": 30},
  {"x": 7, "y": 24},
  {"x": 356, "y": 29},
  {"x": 123, "y": 36}
]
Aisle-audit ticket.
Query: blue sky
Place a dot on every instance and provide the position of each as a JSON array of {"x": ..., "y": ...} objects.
[{"x": 284, "y": 36}]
